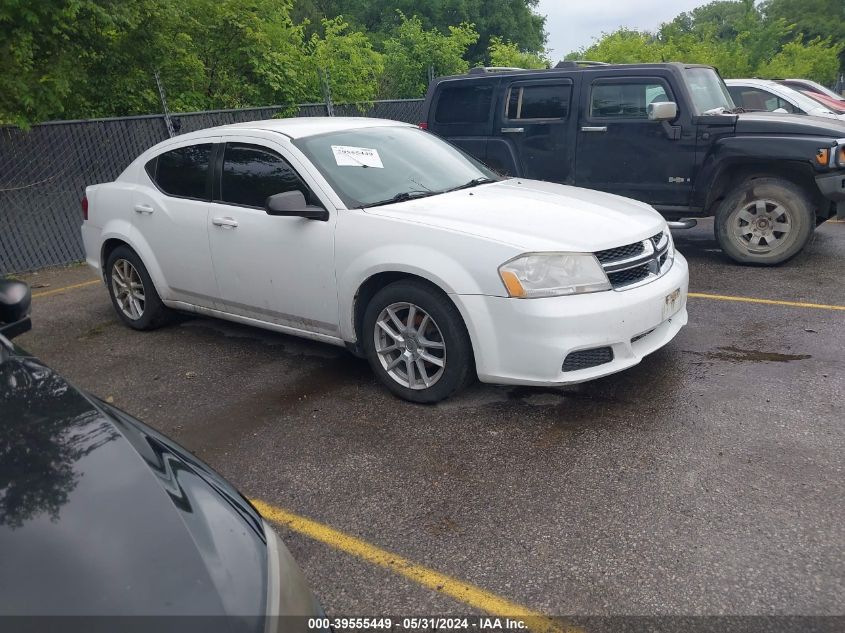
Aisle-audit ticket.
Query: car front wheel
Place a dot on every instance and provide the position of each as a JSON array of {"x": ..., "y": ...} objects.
[
  {"x": 764, "y": 221},
  {"x": 416, "y": 342}
]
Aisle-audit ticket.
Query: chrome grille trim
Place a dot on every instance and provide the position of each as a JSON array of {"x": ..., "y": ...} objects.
[{"x": 649, "y": 264}]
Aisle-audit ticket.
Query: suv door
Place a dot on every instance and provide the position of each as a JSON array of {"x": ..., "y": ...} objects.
[
  {"x": 535, "y": 126},
  {"x": 463, "y": 111},
  {"x": 271, "y": 268},
  {"x": 621, "y": 151},
  {"x": 171, "y": 216}
]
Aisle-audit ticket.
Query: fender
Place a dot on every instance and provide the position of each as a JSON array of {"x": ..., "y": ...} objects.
[
  {"x": 441, "y": 269},
  {"x": 124, "y": 231},
  {"x": 776, "y": 155}
]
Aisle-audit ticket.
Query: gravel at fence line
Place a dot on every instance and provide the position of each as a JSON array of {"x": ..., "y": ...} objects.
[{"x": 44, "y": 171}]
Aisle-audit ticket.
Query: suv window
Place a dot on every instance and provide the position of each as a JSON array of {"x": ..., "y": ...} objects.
[
  {"x": 464, "y": 104},
  {"x": 539, "y": 102},
  {"x": 251, "y": 174},
  {"x": 625, "y": 100},
  {"x": 754, "y": 99},
  {"x": 182, "y": 172}
]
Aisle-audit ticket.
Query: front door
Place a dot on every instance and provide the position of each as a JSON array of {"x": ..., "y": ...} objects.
[
  {"x": 621, "y": 151},
  {"x": 271, "y": 268},
  {"x": 535, "y": 126}
]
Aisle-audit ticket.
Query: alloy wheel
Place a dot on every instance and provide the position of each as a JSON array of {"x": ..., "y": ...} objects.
[
  {"x": 128, "y": 289},
  {"x": 762, "y": 226},
  {"x": 410, "y": 345}
]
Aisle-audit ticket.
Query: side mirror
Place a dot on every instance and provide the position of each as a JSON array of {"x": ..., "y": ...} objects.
[
  {"x": 662, "y": 110},
  {"x": 15, "y": 301},
  {"x": 292, "y": 204}
]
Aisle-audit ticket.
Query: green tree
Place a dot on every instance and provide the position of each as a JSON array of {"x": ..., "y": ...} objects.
[
  {"x": 353, "y": 68},
  {"x": 624, "y": 46},
  {"x": 812, "y": 18},
  {"x": 502, "y": 53},
  {"x": 412, "y": 49},
  {"x": 817, "y": 59},
  {"x": 42, "y": 47}
]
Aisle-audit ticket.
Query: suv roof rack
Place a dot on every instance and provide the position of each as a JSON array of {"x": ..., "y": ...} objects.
[
  {"x": 483, "y": 70},
  {"x": 574, "y": 63}
]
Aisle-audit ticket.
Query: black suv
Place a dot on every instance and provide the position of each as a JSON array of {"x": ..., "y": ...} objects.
[{"x": 666, "y": 134}]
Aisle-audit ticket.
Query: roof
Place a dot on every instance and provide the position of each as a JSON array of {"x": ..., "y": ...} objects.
[
  {"x": 565, "y": 70},
  {"x": 299, "y": 127}
]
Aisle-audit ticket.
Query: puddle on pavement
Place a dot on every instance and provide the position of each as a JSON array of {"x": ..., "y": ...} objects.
[{"x": 737, "y": 355}]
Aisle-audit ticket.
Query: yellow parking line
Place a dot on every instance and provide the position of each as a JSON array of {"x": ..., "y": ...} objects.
[
  {"x": 56, "y": 291},
  {"x": 459, "y": 590},
  {"x": 774, "y": 302}
]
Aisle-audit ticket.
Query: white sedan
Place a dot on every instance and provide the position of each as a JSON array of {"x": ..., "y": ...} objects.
[{"x": 383, "y": 238}]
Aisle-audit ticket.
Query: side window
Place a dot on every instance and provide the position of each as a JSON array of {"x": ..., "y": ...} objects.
[
  {"x": 756, "y": 100},
  {"x": 625, "y": 100},
  {"x": 539, "y": 102},
  {"x": 251, "y": 174},
  {"x": 464, "y": 103},
  {"x": 182, "y": 172}
]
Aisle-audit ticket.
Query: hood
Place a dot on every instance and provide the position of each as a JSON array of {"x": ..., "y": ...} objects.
[
  {"x": 534, "y": 215},
  {"x": 101, "y": 516},
  {"x": 775, "y": 123}
]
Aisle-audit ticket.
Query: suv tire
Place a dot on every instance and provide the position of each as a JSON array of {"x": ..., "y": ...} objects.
[
  {"x": 764, "y": 221},
  {"x": 409, "y": 326},
  {"x": 132, "y": 292}
]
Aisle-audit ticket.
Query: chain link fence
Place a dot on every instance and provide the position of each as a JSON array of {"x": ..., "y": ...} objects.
[{"x": 44, "y": 171}]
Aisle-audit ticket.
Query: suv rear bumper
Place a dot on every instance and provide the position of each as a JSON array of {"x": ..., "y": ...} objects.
[{"x": 525, "y": 341}]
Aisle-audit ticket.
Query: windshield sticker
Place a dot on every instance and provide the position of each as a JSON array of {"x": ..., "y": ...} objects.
[{"x": 348, "y": 156}]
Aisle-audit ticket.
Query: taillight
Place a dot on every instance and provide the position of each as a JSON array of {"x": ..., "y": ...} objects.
[
  {"x": 423, "y": 125},
  {"x": 85, "y": 208}
]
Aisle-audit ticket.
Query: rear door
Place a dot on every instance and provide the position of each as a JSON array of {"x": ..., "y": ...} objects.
[
  {"x": 171, "y": 216},
  {"x": 534, "y": 124},
  {"x": 623, "y": 152},
  {"x": 463, "y": 112}
]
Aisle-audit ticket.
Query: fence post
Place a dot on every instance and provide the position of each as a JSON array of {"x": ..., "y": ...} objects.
[
  {"x": 327, "y": 92},
  {"x": 167, "y": 121}
]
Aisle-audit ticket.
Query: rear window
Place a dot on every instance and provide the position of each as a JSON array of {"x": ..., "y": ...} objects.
[
  {"x": 464, "y": 103},
  {"x": 539, "y": 102},
  {"x": 182, "y": 172}
]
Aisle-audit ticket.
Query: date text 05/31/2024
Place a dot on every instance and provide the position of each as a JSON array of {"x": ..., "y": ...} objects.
[{"x": 481, "y": 623}]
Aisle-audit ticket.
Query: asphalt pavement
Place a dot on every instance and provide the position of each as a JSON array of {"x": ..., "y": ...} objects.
[{"x": 707, "y": 480}]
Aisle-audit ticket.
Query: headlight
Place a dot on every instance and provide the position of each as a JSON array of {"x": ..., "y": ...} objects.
[{"x": 536, "y": 275}]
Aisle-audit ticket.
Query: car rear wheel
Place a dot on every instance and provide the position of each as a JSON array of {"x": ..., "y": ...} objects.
[
  {"x": 764, "y": 221},
  {"x": 132, "y": 292},
  {"x": 416, "y": 342}
]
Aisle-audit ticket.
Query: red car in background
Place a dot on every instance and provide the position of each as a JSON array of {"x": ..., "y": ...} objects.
[{"x": 814, "y": 90}]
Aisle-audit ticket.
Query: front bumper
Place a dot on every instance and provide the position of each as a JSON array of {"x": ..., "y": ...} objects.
[
  {"x": 832, "y": 187},
  {"x": 524, "y": 341}
]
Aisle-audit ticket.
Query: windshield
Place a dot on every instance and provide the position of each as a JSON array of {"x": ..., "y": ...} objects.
[
  {"x": 801, "y": 99},
  {"x": 377, "y": 165},
  {"x": 709, "y": 94}
]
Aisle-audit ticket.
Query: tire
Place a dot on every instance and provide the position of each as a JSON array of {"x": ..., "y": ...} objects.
[
  {"x": 144, "y": 309},
  {"x": 747, "y": 221},
  {"x": 438, "y": 332}
]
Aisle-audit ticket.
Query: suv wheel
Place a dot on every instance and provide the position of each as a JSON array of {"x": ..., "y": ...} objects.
[
  {"x": 132, "y": 292},
  {"x": 764, "y": 221},
  {"x": 416, "y": 342}
]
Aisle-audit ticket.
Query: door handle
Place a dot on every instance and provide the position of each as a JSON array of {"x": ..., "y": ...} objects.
[
  {"x": 226, "y": 223},
  {"x": 512, "y": 130},
  {"x": 143, "y": 209},
  {"x": 599, "y": 128}
]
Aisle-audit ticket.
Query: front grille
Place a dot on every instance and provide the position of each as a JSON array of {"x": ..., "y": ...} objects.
[
  {"x": 630, "y": 276},
  {"x": 587, "y": 358},
  {"x": 634, "y": 263},
  {"x": 620, "y": 252}
]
